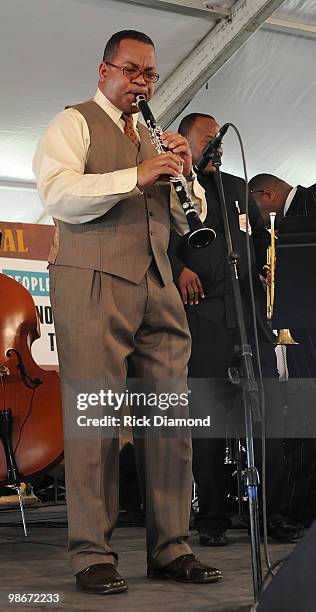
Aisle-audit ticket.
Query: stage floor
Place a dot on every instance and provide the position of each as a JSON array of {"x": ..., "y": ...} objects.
[{"x": 38, "y": 564}]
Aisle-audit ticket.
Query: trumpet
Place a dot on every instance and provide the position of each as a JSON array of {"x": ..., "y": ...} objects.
[
  {"x": 200, "y": 236},
  {"x": 284, "y": 335}
]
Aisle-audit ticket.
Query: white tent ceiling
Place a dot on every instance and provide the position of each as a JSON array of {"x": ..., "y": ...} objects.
[
  {"x": 268, "y": 90},
  {"x": 49, "y": 54}
]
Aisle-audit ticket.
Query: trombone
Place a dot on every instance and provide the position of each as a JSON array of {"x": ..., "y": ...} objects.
[{"x": 284, "y": 335}]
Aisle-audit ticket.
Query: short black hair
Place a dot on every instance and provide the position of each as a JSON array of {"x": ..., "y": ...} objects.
[
  {"x": 263, "y": 181},
  {"x": 188, "y": 121},
  {"x": 112, "y": 46}
]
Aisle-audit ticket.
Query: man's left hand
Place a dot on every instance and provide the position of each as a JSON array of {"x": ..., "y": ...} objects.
[{"x": 180, "y": 146}]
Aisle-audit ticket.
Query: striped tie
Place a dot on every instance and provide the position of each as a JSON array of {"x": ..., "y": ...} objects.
[{"x": 129, "y": 129}]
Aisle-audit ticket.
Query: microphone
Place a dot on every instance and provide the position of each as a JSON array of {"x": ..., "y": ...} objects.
[{"x": 212, "y": 146}]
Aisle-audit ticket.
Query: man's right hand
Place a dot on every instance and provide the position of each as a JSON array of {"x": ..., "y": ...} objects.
[
  {"x": 190, "y": 287},
  {"x": 149, "y": 171}
]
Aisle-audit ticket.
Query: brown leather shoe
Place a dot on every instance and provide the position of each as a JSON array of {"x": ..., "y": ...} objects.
[
  {"x": 101, "y": 578},
  {"x": 186, "y": 568}
]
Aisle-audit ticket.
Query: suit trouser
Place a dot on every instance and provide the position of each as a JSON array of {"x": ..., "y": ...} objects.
[
  {"x": 212, "y": 354},
  {"x": 301, "y": 451},
  {"x": 104, "y": 325}
]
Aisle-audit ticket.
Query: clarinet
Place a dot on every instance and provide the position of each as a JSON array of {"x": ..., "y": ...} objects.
[{"x": 200, "y": 236}]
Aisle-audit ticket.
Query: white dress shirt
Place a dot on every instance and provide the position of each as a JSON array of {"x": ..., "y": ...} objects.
[
  {"x": 74, "y": 197},
  {"x": 289, "y": 200}
]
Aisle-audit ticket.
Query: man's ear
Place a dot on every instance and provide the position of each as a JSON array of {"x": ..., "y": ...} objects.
[
  {"x": 103, "y": 70},
  {"x": 269, "y": 194}
]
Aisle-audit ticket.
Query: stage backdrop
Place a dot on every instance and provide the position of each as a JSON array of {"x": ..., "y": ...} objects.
[{"x": 23, "y": 256}]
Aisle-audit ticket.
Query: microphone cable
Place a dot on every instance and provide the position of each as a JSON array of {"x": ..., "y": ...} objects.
[{"x": 262, "y": 402}]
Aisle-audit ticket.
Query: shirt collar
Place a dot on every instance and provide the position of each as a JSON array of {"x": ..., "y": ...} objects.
[
  {"x": 289, "y": 200},
  {"x": 114, "y": 113}
]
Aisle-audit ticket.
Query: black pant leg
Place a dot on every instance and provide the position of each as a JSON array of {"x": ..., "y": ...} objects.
[
  {"x": 212, "y": 350},
  {"x": 208, "y": 471}
]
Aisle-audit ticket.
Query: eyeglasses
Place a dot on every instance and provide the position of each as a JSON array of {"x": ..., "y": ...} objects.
[
  {"x": 257, "y": 191},
  {"x": 134, "y": 73}
]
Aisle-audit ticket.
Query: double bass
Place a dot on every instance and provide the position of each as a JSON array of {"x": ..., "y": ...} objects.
[{"x": 31, "y": 427}]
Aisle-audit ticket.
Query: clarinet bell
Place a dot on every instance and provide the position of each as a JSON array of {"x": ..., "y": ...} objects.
[{"x": 200, "y": 236}]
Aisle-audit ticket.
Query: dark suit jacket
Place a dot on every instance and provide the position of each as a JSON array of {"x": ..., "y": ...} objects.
[
  {"x": 210, "y": 263},
  {"x": 301, "y": 359},
  {"x": 304, "y": 201}
]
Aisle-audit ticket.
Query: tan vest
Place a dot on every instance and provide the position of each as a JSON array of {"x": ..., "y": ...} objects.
[{"x": 123, "y": 241}]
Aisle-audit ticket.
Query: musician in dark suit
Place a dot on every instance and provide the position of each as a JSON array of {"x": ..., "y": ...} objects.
[
  {"x": 203, "y": 279},
  {"x": 272, "y": 194}
]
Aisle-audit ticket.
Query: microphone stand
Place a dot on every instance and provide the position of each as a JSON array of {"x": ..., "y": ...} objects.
[
  {"x": 14, "y": 478},
  {"x": 249, "y": 389}
]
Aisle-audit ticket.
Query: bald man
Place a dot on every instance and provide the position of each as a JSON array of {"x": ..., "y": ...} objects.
[{"x": 273, "y": 194}]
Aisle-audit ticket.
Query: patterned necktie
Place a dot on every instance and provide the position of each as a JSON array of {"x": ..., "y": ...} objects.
[{"x": 129, "y": 129}]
